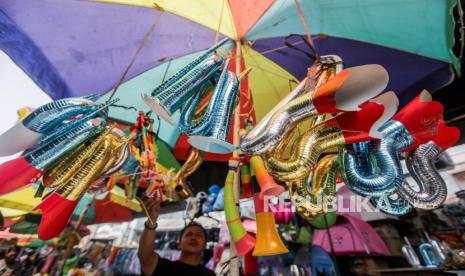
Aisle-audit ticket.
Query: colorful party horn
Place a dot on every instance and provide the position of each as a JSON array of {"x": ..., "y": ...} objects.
[{"x": 243, "y": 241}]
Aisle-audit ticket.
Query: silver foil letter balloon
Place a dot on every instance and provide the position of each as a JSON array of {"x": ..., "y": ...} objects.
[
  {"x": 215, "y": 140},
  {"x": 177, "y": 90},
  {"x": 25, "y": 134},
  {"x": 432, "y": 190},
  {"x": 344, "y": 92},
  {"x": 317, "y": 75},
  {"x": 28, "y": 168}
]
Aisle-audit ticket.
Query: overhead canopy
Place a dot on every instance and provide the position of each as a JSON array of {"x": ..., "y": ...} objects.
[{"x": 75, "y": 48}]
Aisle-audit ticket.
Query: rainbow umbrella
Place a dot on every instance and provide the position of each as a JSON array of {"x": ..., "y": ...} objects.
[
  {"x": 30, "y": 225},
  {"x": 75, "y": 48},
  {"x": 111, "y": 206}
]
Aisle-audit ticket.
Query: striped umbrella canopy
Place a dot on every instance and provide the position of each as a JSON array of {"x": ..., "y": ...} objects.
[
  {"x": 108, "y": 207},
  {"x": 35, "y": 242},
  {"x": 75, "y": 48}
]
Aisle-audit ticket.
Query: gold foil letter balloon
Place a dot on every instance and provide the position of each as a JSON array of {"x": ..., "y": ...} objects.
[{"x": 73, "y": 182}]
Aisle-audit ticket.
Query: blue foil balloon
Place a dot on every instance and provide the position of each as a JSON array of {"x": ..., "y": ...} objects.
[
  {"x": 219, "y": 117},
  {"x": 43, "y": 120},
  {"x": 359, "y": 171},
  {"x": 177, "y": 90},
  {"x": 49, "y": 154}
]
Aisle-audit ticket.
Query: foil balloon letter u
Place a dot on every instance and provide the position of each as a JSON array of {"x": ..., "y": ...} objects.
[
  {"x": 344, "y": 92},
  {"x": 170, "y": 95}
]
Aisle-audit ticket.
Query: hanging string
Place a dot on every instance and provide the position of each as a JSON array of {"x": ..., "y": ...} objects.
[
  {"x": 144, "y": 41},
  {"x": 217, "y": 35},
  {"x": 166, "y": 70},
  {"x": 307, "y": 31}
]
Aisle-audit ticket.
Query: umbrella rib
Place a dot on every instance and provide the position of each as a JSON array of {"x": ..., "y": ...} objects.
[
  {"x": 217, "y": 34},
  {"x": 307, "y": 31}
]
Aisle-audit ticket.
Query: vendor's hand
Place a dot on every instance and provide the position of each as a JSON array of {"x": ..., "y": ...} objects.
[{"x": 153, "y": 208}]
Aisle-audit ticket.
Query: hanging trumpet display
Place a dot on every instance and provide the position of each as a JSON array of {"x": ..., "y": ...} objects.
[
  {"x": 53, "y": 146},
  {"x": 70, "y": 149},
  {"x": 179, "y": 88},
  {"x": 363, "y": 143},
  {"x": 335, "y": 122},
  {"x": 344, "y": 129},
  {"x": 74, "y": 178},
  {"x": 344, "y": 92},
  {"x": 42, "y": 121}
]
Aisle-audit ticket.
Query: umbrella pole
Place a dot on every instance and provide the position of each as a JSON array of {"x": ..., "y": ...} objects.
[
  {"x": 234, "y": 263},
  {"x": 84, "y": 213},
  {"x": 74, "y": 236}
]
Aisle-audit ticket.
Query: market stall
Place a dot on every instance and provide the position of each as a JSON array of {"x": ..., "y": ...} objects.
[{"x": 301, "y": 136}]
